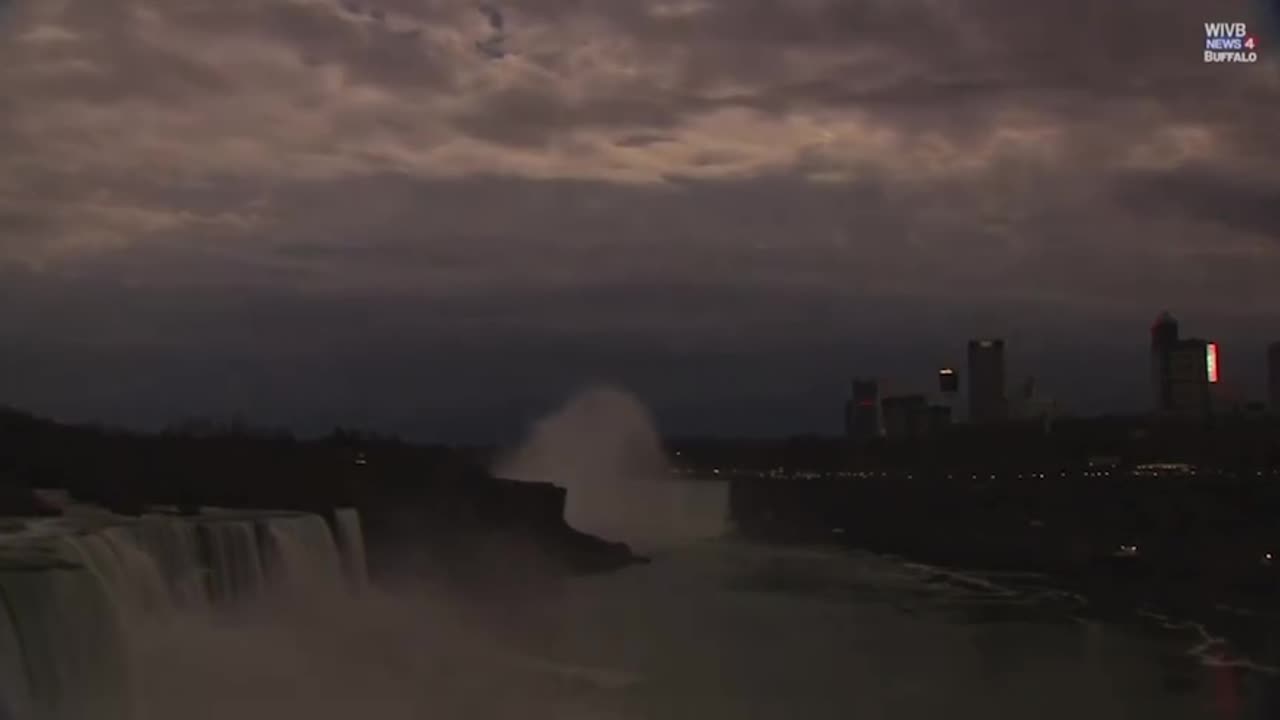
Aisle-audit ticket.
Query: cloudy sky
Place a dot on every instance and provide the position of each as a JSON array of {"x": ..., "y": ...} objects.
[{"x": 439, "y": 217}]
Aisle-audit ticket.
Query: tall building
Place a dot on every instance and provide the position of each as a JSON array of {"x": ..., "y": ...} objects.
[
  {"x": 948, "y": 390},
  {"x": 948, "y": 381},
  {"x": 1192, "y": 371},
  {"x": 1273, "y": 376},
  {"x": 1164, "y": 339},
  {"x": 862, "y": 411},
  {"x": 986, "y": 381}
]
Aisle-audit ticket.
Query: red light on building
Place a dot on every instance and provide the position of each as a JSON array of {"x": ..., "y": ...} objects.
[{"x": 1211, "y": 361}]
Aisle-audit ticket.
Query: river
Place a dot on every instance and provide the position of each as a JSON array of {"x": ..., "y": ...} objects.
[
  {"x": 733, "y": 630},
  {"x": 104, "y": 623}
]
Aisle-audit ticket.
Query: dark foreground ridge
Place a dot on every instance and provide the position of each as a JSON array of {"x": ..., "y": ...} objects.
[{"x": 425, "y": 509}]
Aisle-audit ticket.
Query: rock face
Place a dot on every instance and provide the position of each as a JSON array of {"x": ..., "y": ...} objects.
[{"x": 480, "y": 526}]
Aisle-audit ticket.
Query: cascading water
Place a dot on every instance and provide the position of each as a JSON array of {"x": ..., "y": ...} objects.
[
  {"x": 305, "y": 556},
  {"x": 70, "y": 638},
  {"x": 14, "y": 687},
  {"x": 235, "y": 561},
  {"x": 351, "y": 542},
  {"x": 75, "y": 591},
  {"x": 175, "y": 545}
]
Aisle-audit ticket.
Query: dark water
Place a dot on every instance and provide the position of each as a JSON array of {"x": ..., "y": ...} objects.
[{"x": 729, "y": 630}]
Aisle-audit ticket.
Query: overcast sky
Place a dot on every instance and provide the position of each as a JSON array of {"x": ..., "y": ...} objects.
[{"x": 440, "y": 217}]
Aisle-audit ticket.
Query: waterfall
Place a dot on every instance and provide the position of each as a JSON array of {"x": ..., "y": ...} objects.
[
  {"x": 15, "y": 700},
  {"x": 175, "y": 545},
  {"x": 74, "y": 590},
  {"x": 235, "y": 561},
  {"x": 351, "y": 542},
  {"x": 70, "y": 638},
  {"x": 306, "y": 557}
]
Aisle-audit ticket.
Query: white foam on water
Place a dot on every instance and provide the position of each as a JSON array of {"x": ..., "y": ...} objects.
[{"x": 1209, "y": 650}]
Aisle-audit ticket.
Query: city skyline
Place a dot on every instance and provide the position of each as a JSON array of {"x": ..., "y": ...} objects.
[
  {"x": 1184, "y": 377},
  {"x": 441, "y": 220}
]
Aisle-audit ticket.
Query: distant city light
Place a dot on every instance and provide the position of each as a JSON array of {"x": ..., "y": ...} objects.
[
  {"x": 946, "y": 371},
  {"x": 1211, "y": 361}
]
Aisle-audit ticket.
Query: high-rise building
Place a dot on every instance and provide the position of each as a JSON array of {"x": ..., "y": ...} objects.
[
  {"x": 906, "y": 416},
  {"x": 1164, "y": 338},
  {"x": 986, "y": 381},
  {"x": 862, "y": 411},
  {"x": 948, "y": 381},
  {"x": 948, "y": 390},
  {"x": 1192, "y": 371},
  {"x": 1273, "y": 376}
]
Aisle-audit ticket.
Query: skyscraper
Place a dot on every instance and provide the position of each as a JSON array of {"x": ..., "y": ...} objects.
[
  {"x": 862, "y": 411},
  {"x": 948, "y": 390},
  {"x": 986, "y": 381},
  {"x": 948, "y": 382},
  {"x": 1273, "y": 376},
  {"x": 1192, "y": 369},
  {"x": 1164, "y": 338}
]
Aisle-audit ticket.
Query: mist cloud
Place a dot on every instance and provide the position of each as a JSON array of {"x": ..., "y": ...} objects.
[{"x": 603, "y": 447}]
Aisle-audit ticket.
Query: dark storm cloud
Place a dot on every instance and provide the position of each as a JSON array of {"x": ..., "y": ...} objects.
[
  {"x": 983, "y": 43},
  {"x": 777, "y": 192},
  {"x": 913, "y": 63},
  {"x": 644, "y": 139},
  {"x": 361, "y": 40},
  {"x": 16, "y": 222},
  {"x": 1214, "y": 197},
  {"x": 494, "y": 16}
]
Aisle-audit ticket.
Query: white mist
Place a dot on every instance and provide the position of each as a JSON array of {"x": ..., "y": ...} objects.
[{"x": 604, "y": 448}]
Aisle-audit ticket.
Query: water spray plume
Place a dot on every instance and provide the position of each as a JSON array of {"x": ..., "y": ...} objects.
[{"x": 604, "y": 448}]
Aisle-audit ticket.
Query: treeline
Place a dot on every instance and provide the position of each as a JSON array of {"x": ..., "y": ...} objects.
[{"x": 230, "y": 465}]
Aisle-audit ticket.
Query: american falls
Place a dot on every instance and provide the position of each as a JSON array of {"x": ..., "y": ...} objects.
[{"x": 79, "y": 590}]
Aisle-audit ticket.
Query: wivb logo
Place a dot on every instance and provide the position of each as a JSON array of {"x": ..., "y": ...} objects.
[{"x": 1229, "y": 42}]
